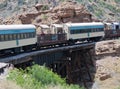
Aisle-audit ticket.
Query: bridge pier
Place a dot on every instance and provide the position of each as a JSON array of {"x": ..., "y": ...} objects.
[{"x": 76, "y": 67}]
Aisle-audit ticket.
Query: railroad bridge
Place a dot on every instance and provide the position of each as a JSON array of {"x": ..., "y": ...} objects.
[{"x": 73, "y": 62}]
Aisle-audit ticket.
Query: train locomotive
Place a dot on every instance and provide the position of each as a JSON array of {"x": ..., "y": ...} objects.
[{"x": 17, "y": 38}]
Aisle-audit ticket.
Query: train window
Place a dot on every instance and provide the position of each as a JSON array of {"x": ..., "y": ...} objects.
[
  {"x": 22, "y": 36},
  {"x": 27, "y": 35},
  {"x": 95, "y": 30},
  {"x": 30, "y": 34},
  {"x": 6, "y": 37},
  {"x": 33, "y": 34},
  {"x": 101, "y": 29},
  {"x": 82, "y": 31},
  {"x": 87, "y": 30},
  {"x": 76, "y": 31},
  {"x": 18, "y": 36},
  {"x": 98, "y": 29},
  {"x": 92, "y": 30},
  {"x": 10, "y": 37},
  {"x": 1, "y": 37},
  {"x": 14, "y": 36},
  {"x": 73, "y": 32}
]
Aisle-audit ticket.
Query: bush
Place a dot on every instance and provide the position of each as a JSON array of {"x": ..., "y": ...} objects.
[
  {"x": 45, "y": 76},
  {"x": 23, "y": 79},
  {"x": 39, "y": 77}
]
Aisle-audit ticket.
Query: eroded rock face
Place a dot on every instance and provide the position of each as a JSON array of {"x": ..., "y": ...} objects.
[
  {"x": 27, "y": 18},
  {"x": 72, "y": 12},
  {"x": 65, "y": 12},
  {"x": 46, "y": 14}
]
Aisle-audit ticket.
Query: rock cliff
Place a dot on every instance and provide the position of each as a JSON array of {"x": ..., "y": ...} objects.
[
  {"x": 107, "y": 60},
  {"x": 43, "y": 14}
]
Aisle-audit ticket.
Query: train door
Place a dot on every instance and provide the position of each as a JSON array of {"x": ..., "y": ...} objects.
[
  {"x": 114, "y": 27},
  {"x": 117, "y": 27}
]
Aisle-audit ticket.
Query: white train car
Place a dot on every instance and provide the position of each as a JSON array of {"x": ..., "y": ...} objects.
[
  {"x": 17, "y": 37},
  {"x": 115, "y": 26},
  {"x": 84, "y": 31}
]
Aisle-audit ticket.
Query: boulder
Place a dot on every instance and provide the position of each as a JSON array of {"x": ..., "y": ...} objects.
[{"x": 104, "y": 77}]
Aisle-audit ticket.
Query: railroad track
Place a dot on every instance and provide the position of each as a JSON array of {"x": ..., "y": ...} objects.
[{"x": 42, "y": 48}]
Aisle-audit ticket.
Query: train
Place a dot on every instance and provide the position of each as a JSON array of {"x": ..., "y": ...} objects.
[{"x": 24, "y": 37}]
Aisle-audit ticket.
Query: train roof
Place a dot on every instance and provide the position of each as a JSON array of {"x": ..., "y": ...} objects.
[
  {"x": 115, "y": 23},
  {"x": 84, "y": 24},
  {"x": 17, "y": 27}
]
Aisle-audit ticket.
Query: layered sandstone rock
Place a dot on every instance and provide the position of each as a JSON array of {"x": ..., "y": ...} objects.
[{"x": 65, "y": 12}]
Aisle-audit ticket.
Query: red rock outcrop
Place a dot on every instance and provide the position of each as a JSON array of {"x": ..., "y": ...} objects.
[
  {"x": 44, "y": 14},
  {"x": 72, "y": 12},
  {"x": 65, "y": 12}
]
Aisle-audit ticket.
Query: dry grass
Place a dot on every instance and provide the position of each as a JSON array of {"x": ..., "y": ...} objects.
[{"x": 5, "y": 84}]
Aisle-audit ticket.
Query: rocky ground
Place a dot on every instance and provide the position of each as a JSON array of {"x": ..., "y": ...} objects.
[
  {"x": 107, "y": 60},
  {"x": 4, "y": 83}
]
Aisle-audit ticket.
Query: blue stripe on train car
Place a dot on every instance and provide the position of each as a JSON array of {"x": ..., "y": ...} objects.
[
  {"x": 85, "y": 27},
  {"x": 16, "y": 31},
  {"x": 88, "y": 34},
  {"x": 17, "y": 42}
]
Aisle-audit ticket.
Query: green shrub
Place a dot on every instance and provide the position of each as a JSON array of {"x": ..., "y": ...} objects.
[
  {"x": 44, "y": 75},
  {"x": 39, "y": 77},
  {"x": 23, "y": 79}
]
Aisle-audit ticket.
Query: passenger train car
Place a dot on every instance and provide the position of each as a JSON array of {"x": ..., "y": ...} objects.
[
  {"x": 17, "y": 37},
  {"x": 84, "y": 31}
]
